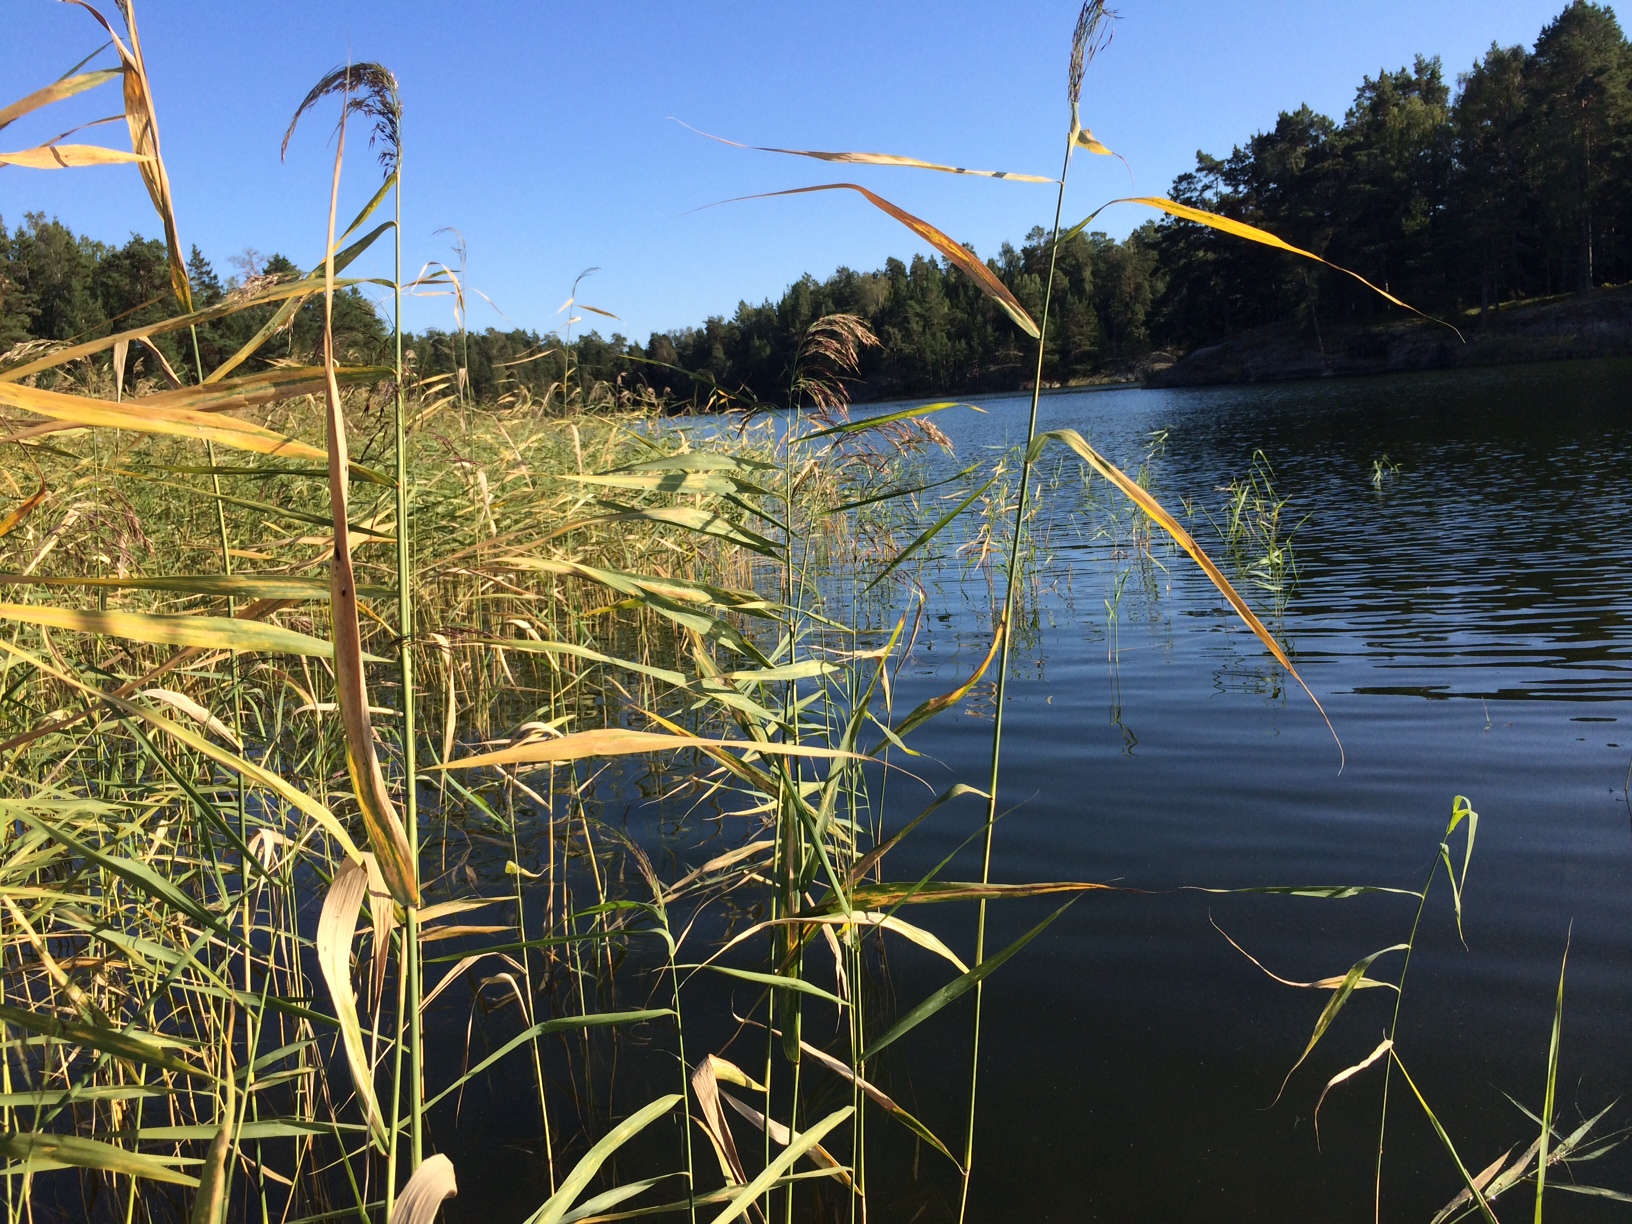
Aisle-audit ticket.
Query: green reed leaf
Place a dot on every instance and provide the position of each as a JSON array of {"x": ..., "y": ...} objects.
[
  {"x": 132, "y": 1046},
  {"x": 958, "y": 987},
  {"x": 78, "y": 1152},
  {"x": 784, "y": 1161},
  {"x": 1346, "y": 988},
  {"x": 589, "y": 1164}
]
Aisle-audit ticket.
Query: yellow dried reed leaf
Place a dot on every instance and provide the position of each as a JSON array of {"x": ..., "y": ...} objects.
[
  {"x": 198, "y": 713},
  {"x": 68, "y": 157},
  {"x": 209, "y": 632},
  {"x": 1252, "y": 233},
  {"x": 432, "y": 1183},
  {"x": 875, "y": 159},
  {"x": 174, "y": 422},
  {"x": 13, "y": 518},
  {"x": 953, "y": 251},
  {"x": 619, "y": 741},
  {"x": 336, "y": 925},
  {"x": 386, "y": 835},
  {"x": 1141, "y": 497},
  {"x": 67, "y": 87}
]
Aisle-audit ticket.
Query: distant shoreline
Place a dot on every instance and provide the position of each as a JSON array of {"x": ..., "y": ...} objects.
[{"x": 1568, "y": 327}]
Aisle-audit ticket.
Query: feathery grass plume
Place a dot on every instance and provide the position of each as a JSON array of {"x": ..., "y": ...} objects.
[
  {"x": 827, "y": 360},
  {"x": 1092, "y": 35},
  {"x": 369, "y": 90}
]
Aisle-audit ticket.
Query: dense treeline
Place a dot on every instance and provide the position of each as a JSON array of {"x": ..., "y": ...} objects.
[
  {"x": 1516, "y": 184},
  {"x": 1515, "y": 187},
  {"x": 56, "y": 286}
]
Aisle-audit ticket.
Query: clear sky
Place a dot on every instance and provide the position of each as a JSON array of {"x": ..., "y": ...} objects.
[{"x": 541, "y": 130}]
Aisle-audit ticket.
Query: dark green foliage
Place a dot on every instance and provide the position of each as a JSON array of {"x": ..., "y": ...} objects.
[
  {"x": 1518, "y": 185},
  {"x": 1516, "y": 188},
  {"x": 58, "y": 286}
]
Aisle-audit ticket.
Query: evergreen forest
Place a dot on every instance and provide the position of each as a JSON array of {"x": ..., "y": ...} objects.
[{"x": 1511, "y": 183}]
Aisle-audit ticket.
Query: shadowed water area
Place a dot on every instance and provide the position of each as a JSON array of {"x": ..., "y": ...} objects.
[
  {"x": 1468, "y": 628},
  {"x": 1465, "y": 620}
]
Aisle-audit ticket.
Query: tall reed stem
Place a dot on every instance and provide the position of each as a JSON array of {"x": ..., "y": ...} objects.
[
  {"x": 1006, "y": 628},
  {"x": 405, "y": 660}
]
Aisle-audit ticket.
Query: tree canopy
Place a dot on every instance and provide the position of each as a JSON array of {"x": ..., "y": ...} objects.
[{"x": 1514, "y": 183}]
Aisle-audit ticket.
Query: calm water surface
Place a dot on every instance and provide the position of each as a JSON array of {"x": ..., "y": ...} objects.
[{"x": 1468, "y": 628}]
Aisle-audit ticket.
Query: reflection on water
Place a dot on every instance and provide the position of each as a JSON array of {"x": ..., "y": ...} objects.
[{"x": 1464, "y": 614}]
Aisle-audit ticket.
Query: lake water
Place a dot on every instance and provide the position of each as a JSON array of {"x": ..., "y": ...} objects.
[{"x": 1467, "y": 625}]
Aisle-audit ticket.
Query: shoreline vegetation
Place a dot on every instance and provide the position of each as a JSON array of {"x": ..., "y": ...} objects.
[
  {"x": 329, "y": 682},
  {"x": 1480, "y": 198}
]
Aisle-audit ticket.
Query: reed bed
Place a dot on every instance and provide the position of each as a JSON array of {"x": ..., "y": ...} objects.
[{"x": 307, "y": 751}]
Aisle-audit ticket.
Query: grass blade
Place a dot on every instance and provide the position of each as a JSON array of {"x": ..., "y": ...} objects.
[
  {"x": 922, "y": 892},
  {"x": 958, "y": 987},
  {"x": 936, "y": 705},
  {"x": 13, "y": 518},
  {"x": 1552, "y": 1083},
  {"x": 692, "y": 518},
  {"x": 950, "y": 249},
  {"x": 590, "y": 1163},
  {"x": 336, "y": 924},
  {"x": 301, "y": 289},
  {"x": 1474, "y": 1191},
  {"x": 81, "y": 1153},
  {"x": 673, "y": 481},
  {"x": 1461, "y": 809},
  {"x": 66, "y": 87},
  {"x": 229, "y": 586},
  {"x": 877, "y": 159},
  {"x": 385, "y": 832},
  {"x": 618, "y": 741},
  {"x": 774, "y": 981},
  {"x": 888, "y": 418},
  {"x": 801, "y": 1144},
  {"x": 254, "y": 390},
  {"x": 882, "y": 1099},
  {"x": 1345, "y": 988},
  {"x": 69, "y": 156},
  {"x": 207, "y": 632},
  {"x": 1142, "y": 498},
  {"x": 705, "y": 1087},
  {"x": 1240, "y": 229},
  {"x": 174, "y": 422},
  {"x": 1349, "y": 1073},
  {"x": 930, "y": 533},
  {"x": 561, "y": 1024},
  {"x": 210, "y": 1205},
  {"x": 137, "y": 874},
  {"x": 133, "y": 1047}
]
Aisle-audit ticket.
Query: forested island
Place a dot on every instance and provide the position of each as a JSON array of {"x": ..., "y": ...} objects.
[{"x": 1476, "y": 201}]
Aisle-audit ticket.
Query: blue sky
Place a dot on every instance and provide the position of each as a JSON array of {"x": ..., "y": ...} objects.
[{"x": 541, "y": 129}]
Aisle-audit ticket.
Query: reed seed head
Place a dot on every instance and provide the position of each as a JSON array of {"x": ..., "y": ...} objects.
[
  {"x": 1091, "y": 36},
  {"x": 370, "y": 90}
]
